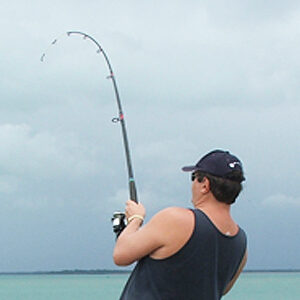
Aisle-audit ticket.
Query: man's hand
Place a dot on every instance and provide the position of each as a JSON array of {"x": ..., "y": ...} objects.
[{"x": 134, "y": 209}]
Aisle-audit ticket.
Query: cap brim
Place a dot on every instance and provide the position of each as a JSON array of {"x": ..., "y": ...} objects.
[{"x": 189, "y": 168}]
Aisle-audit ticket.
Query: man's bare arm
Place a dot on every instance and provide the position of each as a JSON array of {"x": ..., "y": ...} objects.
[
  {"x": 135, "y": 242},
  {"x": 161, "y": 237}
]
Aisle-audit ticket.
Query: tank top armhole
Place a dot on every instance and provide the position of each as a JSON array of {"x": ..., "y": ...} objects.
[{"x": 184, "y": 246}]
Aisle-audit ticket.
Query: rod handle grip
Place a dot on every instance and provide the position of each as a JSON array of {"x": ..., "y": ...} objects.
[{"x": 132, "y": 191}]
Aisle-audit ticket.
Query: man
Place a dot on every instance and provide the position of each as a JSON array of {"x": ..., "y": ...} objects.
[{"x": 187, "y": 253}]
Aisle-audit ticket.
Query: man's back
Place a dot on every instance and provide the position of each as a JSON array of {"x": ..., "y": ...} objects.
[{"x": 201, "y": 269}]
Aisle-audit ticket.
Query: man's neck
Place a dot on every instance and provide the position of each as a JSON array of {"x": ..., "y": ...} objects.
[
  {"x": 212, "y": 205},
  {"x": 219, "y": 214}
]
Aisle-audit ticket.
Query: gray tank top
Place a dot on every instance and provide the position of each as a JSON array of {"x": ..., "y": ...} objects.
[{"x": 200, "y": 270}]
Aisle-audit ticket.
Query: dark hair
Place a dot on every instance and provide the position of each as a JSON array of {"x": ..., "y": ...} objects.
[{"x": 225, "y": 189}]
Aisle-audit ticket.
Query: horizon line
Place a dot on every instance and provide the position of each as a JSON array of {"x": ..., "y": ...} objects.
[{"x": 112, "y": 271}]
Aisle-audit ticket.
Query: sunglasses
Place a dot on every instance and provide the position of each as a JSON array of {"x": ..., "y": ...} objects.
[
  {"x": 198, "y": 175},
  {"x": 193, "y": 176}
]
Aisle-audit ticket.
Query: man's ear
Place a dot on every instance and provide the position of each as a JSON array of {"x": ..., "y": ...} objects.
[{"x": 205, "y": 185}]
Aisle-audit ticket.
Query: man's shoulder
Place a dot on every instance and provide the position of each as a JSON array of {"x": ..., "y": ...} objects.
[
  {"x": 174, "y": 210},
  {"x": 173, "y": 214},
  {"x": 174, "y": 226}
]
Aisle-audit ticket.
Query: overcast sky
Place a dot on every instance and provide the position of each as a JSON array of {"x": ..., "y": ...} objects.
[{"x": 193, "y": 76}]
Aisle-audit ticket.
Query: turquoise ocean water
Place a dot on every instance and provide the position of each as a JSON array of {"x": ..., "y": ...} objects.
[{"x": 250, "y": 286}]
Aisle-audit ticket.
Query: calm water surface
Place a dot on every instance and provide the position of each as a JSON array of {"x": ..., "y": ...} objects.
[
  {"x": 250, "y": 286},
  {"x": 266, "y": 286}
]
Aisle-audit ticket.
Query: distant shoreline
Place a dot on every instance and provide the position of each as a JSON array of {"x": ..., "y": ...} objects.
[
  {"x": 69, "y": 272},
  {"x": 273, "y": 271},
  {"x": 112, "y": 272}
]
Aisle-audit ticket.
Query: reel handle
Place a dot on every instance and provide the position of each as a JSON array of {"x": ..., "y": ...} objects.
[{"x": 119, "y": 222}]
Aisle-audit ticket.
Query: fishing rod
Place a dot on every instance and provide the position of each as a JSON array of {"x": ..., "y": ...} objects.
[
  {"x": 118, "y": 218},
  {"x": 121, "y": 119}
]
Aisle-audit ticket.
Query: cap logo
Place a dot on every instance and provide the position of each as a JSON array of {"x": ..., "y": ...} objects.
[{"x": 233, "y": 164}]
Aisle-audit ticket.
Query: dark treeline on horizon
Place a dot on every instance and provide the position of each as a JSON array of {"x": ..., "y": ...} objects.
[
  {"x": 105, "y": 271},
  {"x": 68, "y": 272}
]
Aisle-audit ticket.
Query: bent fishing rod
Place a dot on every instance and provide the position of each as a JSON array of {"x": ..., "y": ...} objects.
[{"x": 121, "y": 119}]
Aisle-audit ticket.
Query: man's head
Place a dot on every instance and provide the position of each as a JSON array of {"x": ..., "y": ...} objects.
[{"x": 223, "y": 171}]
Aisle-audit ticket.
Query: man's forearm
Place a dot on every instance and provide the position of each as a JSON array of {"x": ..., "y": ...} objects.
[{"x": 124, "y": 243}]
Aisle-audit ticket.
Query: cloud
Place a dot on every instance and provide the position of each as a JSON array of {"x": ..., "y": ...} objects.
[
  {"x": 280, "y": 200},
  {"x": 25, "y": 152},
  {"x": 8, "y": 184}
]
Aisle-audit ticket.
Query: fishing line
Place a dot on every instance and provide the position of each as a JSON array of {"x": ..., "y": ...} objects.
[
  {"x": 54, "y": 42},
  {"x": 120, "y": 119}
]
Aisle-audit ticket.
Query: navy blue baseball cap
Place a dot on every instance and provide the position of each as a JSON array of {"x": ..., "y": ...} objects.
[{"x": 218, "y": 163}]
